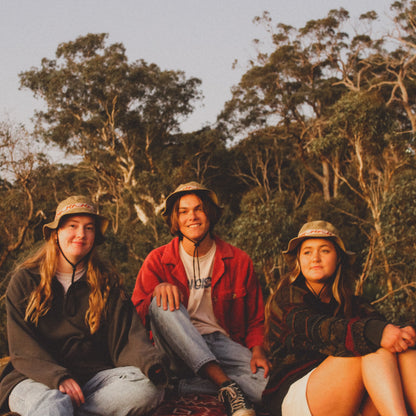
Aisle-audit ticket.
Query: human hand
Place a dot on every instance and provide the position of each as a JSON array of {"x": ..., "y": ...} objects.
[
  {"x": 409, "y": 335},
  {"x": 259, "y": 359},
  {"x": 396, "y": 339},
  {"x": 167, "y": 293},
  {"x": 70, "y": 387}
]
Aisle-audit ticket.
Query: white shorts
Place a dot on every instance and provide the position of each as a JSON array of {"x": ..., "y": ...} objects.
[{"x": 295, "y": 403}]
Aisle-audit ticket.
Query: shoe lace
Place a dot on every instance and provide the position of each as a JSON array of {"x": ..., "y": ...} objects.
[{"x": 236, "y": 399}]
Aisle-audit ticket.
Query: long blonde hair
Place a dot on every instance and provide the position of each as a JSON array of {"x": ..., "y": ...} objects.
[
  {"x": 342, "y": 281},
  {"x": 341, "y": 288},
  {"x": 100, "y": 278}
]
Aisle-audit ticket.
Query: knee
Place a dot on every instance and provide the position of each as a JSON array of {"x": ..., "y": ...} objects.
[
  {"x": 158, "y": 313},
  {"x": 31, "y": 398},
  {"x": 382, "y": 354},
  {"x": 136, "y": 397}
]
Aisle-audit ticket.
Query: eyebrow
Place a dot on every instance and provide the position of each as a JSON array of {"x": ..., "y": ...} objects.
[
  {"x": 92, "y": 222},
  {"x": 190, "y": 206},
  {"x": 320, "y": 246}
]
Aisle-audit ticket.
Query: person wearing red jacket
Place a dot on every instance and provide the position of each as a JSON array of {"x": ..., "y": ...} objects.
[{"x": 203, "y": 303}]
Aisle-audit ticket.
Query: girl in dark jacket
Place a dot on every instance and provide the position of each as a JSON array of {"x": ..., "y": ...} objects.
[
  {"x": 77, "y": 346},
  {"x": 332, "y": 353}
]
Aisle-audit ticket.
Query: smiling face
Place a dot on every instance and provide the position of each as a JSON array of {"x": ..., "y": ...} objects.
[
  {"x": 318, "y": 260},
  {"x": 76, "y": 235},
  {"x": 192, "y": 220}
]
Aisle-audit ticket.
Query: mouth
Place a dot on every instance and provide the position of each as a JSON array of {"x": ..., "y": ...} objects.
[{"x": 78, "y": 243}]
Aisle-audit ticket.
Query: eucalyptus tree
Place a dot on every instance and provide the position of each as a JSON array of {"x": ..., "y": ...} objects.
[
  {"x": 393, "y": 70},
  {"x": 293, "y": 88},
  {"x": 20, "y": 169},
  {"x": 364, "y": 131},
  {"x": 116, "y": 116}
]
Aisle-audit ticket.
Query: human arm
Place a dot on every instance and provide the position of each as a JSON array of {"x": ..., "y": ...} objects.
[
  {"x": 128, "y": 340},
  {"x": 29, "y": 355},
  {"x": 237, "y": 296},
  {"x": 299, "y": 322},
  {"x": 259, "y": 359},
  {"x": 154, "y": 272}
]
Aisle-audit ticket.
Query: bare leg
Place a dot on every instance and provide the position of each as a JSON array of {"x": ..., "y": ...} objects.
[
  {"x": 407, "y": 366},
  {"x": 368, "y": 408},
  {"x": 212, "y": 371},
  {"x": 383, "y": 383},
  {"x": 335, "y": 387}
]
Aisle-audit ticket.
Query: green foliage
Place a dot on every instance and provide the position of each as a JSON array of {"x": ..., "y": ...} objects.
[
  {"x": 321, "y": 127},
  {"x": 399, "y": 227},
  {"x": 262, "y": 230}
]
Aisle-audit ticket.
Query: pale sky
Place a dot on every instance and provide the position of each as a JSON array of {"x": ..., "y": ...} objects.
[{"x": 200, "y": 37}]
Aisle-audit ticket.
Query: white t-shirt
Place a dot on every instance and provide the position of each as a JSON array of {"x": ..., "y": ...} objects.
[
  {"x": 65, "y": 279},
  {"x": 200, "y": 304}
]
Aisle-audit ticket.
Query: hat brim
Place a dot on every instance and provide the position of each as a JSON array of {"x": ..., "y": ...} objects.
[
  {"x": 291, "y": 252},
  {"x": 102, "y": 223},
  {"x": 173, "y": 197}
]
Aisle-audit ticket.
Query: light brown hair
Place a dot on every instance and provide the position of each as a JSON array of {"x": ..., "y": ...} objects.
[{"x": 101, "y": 279}]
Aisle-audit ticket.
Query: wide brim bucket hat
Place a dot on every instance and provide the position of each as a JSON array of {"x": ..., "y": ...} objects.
[
  {"x": 316, "y": 229},
  {"x": 188, "y": 188},
  {"x": 77, "y": 205}
]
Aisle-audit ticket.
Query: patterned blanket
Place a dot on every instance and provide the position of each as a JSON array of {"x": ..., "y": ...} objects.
[{"x": 195, "y": 405}]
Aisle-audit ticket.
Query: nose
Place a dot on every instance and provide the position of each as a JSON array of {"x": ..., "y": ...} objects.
[
  {"x": 80, "y": 232},
  {"x": 316, "y": 257},
  {"x": 192, "y": 214}
]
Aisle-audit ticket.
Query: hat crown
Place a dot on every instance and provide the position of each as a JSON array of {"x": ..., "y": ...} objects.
[
  {"x": 190, "y": 186},
  {"x": 185, "y": 188},
  {"x": 75, "y": 204},
  {"x": 317, "y": 229}
]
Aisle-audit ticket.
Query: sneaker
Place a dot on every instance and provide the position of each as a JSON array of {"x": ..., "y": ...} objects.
[{"x": 235, "y": 401}]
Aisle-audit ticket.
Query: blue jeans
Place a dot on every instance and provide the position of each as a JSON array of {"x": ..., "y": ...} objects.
[
  {"x": 174, "y": 333},
  {"x": 119, "y": 391}
]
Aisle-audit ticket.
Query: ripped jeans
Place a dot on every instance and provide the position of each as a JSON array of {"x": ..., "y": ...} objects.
[
  {"x": 118, "y": 391},
  {"x": 174, "y": 333}
]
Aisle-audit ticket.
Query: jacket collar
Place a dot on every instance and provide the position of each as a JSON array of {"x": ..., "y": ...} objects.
[{"x": 171, "y": 256}]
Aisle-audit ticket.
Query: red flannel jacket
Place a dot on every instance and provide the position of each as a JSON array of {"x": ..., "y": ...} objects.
[{"x": 236, "y": 294}]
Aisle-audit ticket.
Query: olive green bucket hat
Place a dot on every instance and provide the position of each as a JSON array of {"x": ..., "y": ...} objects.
[
  {"x": 77, "y": 205},
  {"x": 188, "y": 188},
  {"x": 316, "y": 229}
]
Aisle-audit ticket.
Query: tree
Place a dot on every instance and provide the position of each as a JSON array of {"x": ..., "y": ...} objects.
[
  {"x": 263, "y": 229},
  {"x": 19, "y": 168},
  {"x": 293, "y": 88},
  {"x": 363, "y": 130},
  {"x": 394, "y": 70},
  {"x": 115, "y": 115}
]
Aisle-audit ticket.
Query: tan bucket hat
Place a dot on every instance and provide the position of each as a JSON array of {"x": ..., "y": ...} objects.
[
  {"x": 186, "y": 188},
  {"x": 316, "y": 229},
  {"x": 78, "y": 204}
]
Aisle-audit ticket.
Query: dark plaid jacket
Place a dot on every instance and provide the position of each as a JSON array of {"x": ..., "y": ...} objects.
[{"x": 302, "y": 332}]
